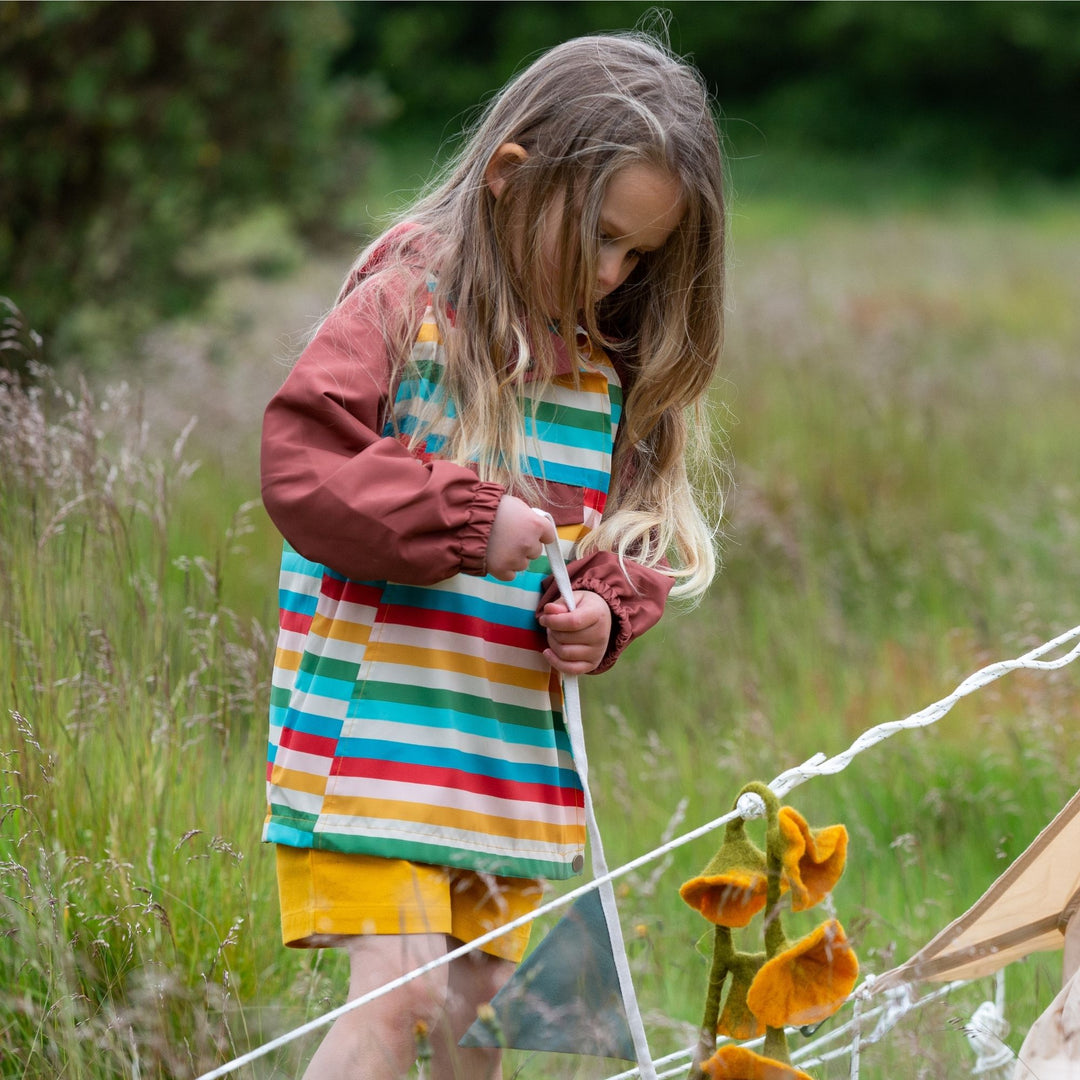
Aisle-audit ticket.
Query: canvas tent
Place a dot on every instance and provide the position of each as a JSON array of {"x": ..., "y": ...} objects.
[{"x": 1026, "y": 910}]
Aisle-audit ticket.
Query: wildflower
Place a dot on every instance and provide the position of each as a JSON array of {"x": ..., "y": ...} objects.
[
  {"x": 732, "y": 1062},
  {"x": 813, "y": 860},
  {"x": 732, "y": 888},
  {"x": 805, "y": 982}
]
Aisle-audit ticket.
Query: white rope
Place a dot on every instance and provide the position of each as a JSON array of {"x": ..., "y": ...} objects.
[
  {"x": 572, "y": 717},
  {"x": 818, "y": 765},
  {"x": 986, "y": 1031}
]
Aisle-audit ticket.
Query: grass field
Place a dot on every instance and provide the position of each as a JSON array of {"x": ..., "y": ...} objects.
[{"x": 898, "y": 409}]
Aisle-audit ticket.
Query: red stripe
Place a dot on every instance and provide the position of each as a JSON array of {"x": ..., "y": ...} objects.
[
  {"x": 296, "y": 621},
  {"x": 438, "y": 776},
  {"x": 595, "y": 500},
  {"x": 451, "y": 622},
  {"x": 305, "y": 743},
  {"x": 351, "y": 592}
]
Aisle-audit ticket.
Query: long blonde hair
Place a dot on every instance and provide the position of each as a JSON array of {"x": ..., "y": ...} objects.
[{"x": 583, "y": 111}]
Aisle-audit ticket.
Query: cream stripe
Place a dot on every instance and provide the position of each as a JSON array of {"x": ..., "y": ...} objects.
[
  {"x": 317, "y": 704},
  {"x": 463, "y": 839},
  {"x": 299, "y": 581}
]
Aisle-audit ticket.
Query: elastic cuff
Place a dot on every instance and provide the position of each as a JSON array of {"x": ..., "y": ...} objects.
[{"x": 476, "y": 532}]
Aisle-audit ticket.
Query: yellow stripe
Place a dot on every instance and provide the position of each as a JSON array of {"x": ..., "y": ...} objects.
[
  {"x": 487, "y": 824},
  {"x": 590, "y": 382},
  {"x": 294, "y": 780},
  {"x": 339, "y": 630},
  {"x": 428, "y": 332},
  {"x": 445, "y": 660},
  {"x": 287, "y": 659}
]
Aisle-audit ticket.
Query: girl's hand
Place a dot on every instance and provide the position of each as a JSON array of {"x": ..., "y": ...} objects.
[
  {"x": 518, "y": 535},
  {"x": 578, "y": 639}
]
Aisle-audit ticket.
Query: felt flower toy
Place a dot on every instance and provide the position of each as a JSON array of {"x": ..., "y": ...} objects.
[
  {"x": 732, "y": 888},
  {"x": 813, "y": 860},
  {"x": 789, "y": 984},
  {"x": 806, "y": 982},
  {"x": 732, "y": 1062}
]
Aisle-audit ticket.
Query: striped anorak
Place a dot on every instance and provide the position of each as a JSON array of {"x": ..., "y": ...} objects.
[{"x": 423, "y": 721}]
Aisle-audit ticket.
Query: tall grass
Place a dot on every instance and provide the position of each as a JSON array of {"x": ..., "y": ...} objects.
[
  {"x": 899, "y": 406},
  {"x": 132, "y": 745}
]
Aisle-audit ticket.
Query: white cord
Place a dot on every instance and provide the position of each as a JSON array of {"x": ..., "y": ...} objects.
[{"x": 572, "y": 718}]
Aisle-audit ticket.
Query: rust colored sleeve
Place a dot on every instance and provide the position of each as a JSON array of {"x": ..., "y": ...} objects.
[{"x": 347, "y": 497}]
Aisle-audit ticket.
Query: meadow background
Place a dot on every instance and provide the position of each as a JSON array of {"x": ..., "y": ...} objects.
[{"x": 181, "y": 189}]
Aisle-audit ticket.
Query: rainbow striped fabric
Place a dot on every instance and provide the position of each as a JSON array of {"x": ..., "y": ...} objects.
[{"x": 424, "y": 722}]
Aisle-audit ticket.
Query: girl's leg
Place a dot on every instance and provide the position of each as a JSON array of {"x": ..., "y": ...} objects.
[
  {"x": 474, "y": 980},
  {"x": 377, "y": 1041}
]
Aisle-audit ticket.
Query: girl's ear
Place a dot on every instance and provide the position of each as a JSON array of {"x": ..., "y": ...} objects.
[{"x": 503, "y": 162}]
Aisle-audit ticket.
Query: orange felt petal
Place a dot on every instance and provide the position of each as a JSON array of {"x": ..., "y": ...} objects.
[
  {"x": 807, "y": 982},
  {"x": 737, "y": 1063},
  {"x": 729, "y": 899},
  {"x": 812, "y": 860}
]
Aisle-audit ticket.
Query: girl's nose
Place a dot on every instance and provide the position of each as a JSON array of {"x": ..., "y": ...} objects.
[{"x": 609, "y": 272}]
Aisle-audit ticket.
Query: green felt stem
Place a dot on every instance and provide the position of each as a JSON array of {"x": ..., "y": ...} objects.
[
  {"x": 723, "y": 954},
  {"x": 776, "y": 1045}
]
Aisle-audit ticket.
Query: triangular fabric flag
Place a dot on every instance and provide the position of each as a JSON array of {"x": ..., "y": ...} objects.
[{"x": 565, "y": 996}]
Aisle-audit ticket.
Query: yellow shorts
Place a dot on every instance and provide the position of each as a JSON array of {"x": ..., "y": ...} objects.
[{"x": 326, "y": 895}]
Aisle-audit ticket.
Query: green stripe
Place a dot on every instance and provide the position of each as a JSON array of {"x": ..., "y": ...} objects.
[
  {"x": 440, "y": 855},
  {"x": 549, "y": 412},
  {"x": 328, "y": 667},
  {"x": 280, "y": 696},
  {"x": 471, "y": 704},
  {"x": 296, "y": 819}
]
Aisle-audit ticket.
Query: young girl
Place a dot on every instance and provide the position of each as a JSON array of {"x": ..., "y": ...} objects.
[{"x": 530, "y": 335}]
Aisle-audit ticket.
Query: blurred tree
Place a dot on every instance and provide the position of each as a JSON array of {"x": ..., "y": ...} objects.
[
  {"x": 983, "y": 88},
  {"x": 129, "y": 127},
  {"x": 126, "y": 129}
]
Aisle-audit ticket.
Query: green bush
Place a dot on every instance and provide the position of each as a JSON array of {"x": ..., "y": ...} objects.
[{"x": 129, "y": 128}]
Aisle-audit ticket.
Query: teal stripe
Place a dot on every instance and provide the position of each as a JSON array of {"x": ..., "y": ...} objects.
[
  {"x": 300, "y": 603},
  {"x": 554, "y": 434},
  {"x": 594, "y": 479},
  {"x": 295, "y": 563}
]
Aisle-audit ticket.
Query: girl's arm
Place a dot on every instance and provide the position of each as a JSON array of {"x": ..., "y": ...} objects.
[{"x": 345, "y": 496}]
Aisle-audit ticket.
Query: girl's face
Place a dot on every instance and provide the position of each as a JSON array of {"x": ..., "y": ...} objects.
[{"x": 641, "y": 208}]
